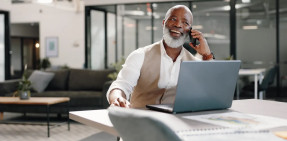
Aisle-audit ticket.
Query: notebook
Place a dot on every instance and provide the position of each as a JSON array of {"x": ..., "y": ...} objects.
[{"x": 203, "y": 85}]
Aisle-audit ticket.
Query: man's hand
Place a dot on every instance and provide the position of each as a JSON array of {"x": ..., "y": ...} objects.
[
  {"x": 118, "y": 98},
  {"x": 121, "y": 102},
  {"x": 202, "y": 48}
]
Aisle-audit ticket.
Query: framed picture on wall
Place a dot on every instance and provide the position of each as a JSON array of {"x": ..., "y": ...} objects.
[{"x": 51, "y": 46}]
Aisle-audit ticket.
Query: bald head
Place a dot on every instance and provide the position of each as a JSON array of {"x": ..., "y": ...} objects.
[{"x": 169, "y": 11}]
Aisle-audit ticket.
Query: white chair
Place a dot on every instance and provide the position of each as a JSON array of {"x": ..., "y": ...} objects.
[{"x": 138, "y": 125}]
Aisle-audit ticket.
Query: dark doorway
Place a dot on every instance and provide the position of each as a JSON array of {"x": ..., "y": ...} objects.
[{"x": 24, "y": 48}]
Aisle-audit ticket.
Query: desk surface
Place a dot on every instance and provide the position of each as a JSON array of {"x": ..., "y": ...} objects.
[
  {"x": 251, "y": 71},
  {"x": 100, "y": 119}
]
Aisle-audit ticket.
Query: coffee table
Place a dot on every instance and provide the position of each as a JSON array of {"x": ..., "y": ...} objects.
[{"x": 41, "y": 101}]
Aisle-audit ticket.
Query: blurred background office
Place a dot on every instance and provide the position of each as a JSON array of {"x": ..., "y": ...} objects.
[{"x": 95, "y": 34}]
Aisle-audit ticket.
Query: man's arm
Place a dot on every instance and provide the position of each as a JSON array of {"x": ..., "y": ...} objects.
[
  {"x": 118, "y": 98},
  {"x": 120, "y": 90}
]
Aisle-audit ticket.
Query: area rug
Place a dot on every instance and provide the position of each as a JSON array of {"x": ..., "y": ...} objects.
[{"x": 34, "y": 128}]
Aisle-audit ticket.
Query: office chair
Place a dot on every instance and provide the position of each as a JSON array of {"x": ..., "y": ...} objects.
[
  {"x": 138, "y": 125},
  {"x": 266, "y": 82}
]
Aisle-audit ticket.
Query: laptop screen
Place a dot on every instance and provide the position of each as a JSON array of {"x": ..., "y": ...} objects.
[{"x": 206, "y": 85}]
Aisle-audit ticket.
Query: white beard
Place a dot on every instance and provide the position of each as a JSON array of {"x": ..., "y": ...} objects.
[{"x": 173, "y": 43}]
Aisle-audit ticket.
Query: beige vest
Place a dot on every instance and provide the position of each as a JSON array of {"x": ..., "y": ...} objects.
[{"x": 146, "y": 91}]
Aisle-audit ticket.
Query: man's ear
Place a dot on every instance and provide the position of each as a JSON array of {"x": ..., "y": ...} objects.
[{"x": 163, "y": 22}]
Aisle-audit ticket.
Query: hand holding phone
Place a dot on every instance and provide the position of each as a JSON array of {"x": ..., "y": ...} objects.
[{"x": 192, "y": 40}]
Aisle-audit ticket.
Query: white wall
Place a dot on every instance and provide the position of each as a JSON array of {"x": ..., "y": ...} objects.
[
  {"x": 66, "y": 24},
  {"x": 5, "y": 5}
]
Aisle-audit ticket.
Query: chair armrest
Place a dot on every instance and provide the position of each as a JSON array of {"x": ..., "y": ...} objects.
[{"x": 8, "y": 86}]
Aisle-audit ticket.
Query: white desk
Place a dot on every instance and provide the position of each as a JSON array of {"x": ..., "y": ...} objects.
[
  {"x": 258, "y": 73},
  {"x": 100, "y": 119}
]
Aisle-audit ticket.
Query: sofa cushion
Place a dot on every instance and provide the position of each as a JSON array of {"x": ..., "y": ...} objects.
[
  {"x": 88, "y": 79},
  {"x": 40, "y": 80},
  {"x": 59, "y": 81},
  {"x": 8, "y": 87}
]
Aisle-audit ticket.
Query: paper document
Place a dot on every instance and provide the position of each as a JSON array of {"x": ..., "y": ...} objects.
[
  {"x": 238, "y": 120},
  {"x": 234, "y": 137}
]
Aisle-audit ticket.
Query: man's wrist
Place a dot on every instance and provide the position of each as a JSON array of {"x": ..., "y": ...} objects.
[{"x": 208, "y": 56}]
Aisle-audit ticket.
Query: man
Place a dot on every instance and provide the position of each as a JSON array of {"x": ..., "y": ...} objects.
[{"x": 150, "y": 73}]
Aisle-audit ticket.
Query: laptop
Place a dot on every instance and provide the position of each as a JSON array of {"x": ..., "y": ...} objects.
[{"x": 202, "y": 86}]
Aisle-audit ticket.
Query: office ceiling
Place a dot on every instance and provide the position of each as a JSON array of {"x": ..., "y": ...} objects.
[
  {"x": 255, "y": 9},
  {"x": 39, "y": 1}
]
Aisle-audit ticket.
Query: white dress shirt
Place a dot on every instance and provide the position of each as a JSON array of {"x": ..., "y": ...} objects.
[{"x": 128, "y": 76}]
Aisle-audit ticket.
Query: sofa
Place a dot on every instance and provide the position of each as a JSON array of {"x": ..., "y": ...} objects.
[{"x": 83, "y": 87}]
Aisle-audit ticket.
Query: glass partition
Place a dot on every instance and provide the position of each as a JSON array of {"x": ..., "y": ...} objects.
[
  {"x": 2, "y": 48},
  {"x": 97, "y": 49},
  {"x": 134, "y": 26},
  {"x": 131, "y": 26},
  {"x": 129, "y": 36},
  {"x": 111, "y": 27},
  {"x": 256, "y": 33},
  {"x": 212, "y": 19}
]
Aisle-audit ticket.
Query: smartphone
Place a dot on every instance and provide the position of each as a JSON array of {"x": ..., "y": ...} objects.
[{"x": 192, "y": 40}]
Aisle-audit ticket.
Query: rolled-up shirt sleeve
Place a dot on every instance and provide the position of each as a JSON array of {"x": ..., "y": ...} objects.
[{"x": 129, "y": 74}]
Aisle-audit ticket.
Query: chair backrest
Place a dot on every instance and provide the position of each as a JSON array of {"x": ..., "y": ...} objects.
[
  {"x": 138, "y": 125},
  {"x": 269, "y": 78}
]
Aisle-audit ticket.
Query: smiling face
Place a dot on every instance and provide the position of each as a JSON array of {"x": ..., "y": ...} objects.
[{"x": 176, "y": 26}]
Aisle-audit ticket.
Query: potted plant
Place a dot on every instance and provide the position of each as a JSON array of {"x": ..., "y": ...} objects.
[
  {"x": 24, "y": 86},
  {"x": 117, "y": 66},
  {"x": 45, "y": 63}
]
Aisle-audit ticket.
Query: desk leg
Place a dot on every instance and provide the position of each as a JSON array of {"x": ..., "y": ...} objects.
[
  {"x": 1, "y": 115},
  {"x": 260, "y": 81},
  {"x": 68, "y": 119},
  {"x": 48, "y": 120},
  {"x": 255, "y": 86}
]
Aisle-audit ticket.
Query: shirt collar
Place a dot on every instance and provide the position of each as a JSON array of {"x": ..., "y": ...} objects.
[{"x": 163, "y": 52}]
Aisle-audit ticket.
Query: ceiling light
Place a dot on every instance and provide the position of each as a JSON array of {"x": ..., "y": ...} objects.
[
  {"x": 135, "y": 13},
  {"x": 250, "y": 27},
  {"x": 197, "y": 27},
  {"x": 149, "y": 28},
  {"x": 154, "y": 5},
  {"x": 246, "y": 1},
  {"x": 194, "y": 6},
  {"x": 130, "y": 25},
  {"x": 226, "y": 8},
  {"x": 44, "y": 1}
]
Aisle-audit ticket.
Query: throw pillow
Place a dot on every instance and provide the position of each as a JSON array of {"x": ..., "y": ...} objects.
[{"x": 40, "y": 80}]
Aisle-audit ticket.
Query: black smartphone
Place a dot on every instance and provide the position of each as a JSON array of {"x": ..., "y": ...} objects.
[{"x": 192, "y": 40}]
